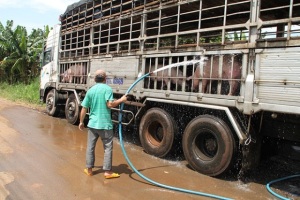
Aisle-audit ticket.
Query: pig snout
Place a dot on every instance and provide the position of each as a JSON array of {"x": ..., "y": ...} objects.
[
  {"x": 63, "y": 80},
  {"x": 66, "y": 76}
]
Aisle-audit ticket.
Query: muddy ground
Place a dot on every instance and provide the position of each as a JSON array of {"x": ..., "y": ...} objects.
[{"x": 42, "y": 157}]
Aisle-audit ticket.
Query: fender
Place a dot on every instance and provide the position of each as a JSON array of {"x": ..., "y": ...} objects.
[{"x": 44, "y": 92}]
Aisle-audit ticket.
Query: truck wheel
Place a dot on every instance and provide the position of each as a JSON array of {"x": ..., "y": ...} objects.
[
  {"x": 208, "y": 145},
  {"x": 51, "y": 109},
  {"x": 72, "y": 110},
  {"x": 157, "y": 129}
]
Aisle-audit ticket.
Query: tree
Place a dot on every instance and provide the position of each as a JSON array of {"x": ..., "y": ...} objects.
[
  {"x": 19, "y": 57},
  {"x": 34, "y": 49},
  {"x": 6, "y": 48}
]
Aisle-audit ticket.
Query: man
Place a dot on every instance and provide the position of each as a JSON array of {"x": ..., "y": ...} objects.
[{"x": 99, "y": 99}]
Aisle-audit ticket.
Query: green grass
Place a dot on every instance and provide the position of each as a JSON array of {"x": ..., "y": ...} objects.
[{"x": 21, "y": 92}]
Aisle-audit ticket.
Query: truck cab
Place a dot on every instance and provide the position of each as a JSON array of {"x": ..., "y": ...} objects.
[{"x": 49, "y": 72}]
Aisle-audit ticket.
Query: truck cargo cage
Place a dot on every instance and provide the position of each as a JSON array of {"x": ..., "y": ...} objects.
[
  {"x": 74, "y": 72},
  {"x": 104, "y": 27},
  {"x": 218, "y": 74}
]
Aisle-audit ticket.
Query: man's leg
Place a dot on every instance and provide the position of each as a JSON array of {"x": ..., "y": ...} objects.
[
  {"x": 107, "y": 139},
  {"x": 90, "y": 150}
]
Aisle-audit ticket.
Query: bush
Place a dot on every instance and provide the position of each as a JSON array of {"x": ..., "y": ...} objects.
[{"x": 21, "y": 92}]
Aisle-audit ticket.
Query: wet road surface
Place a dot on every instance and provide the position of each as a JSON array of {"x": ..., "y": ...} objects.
[{"x": 42, "y": 157}]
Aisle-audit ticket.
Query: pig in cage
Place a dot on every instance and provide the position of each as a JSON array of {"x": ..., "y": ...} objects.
[
  {"x": 216, "y": 74},
  {"x": 74, "y": 73},
  {"x": 220, "y": 74},
  {"x": 168, "y": 79}
]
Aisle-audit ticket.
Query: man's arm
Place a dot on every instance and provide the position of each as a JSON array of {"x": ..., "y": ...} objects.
[
  {"x": 82, "y": 116},
  {"x": 112, "y": 104}
]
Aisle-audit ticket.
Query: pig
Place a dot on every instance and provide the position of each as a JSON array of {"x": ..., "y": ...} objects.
[
  {"x": 75, "y": 74},
  {"x": 229, "y": 71},
  {"x": 164, "y": 76}
]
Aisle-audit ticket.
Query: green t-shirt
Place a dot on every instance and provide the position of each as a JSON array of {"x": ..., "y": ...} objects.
[{"x": 95, "y": 99}]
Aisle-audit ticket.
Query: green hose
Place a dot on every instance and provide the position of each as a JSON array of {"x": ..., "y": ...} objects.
[{"x": 277, "y": 180}]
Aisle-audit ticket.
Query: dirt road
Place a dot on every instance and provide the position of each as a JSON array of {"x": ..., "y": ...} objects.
[{"x": 42, "y": 157}]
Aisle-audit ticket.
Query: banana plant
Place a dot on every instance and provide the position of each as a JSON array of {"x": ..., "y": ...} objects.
[{"x": 19, "y": 57}]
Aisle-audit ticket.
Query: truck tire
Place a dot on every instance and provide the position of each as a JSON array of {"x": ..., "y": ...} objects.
[
  {"x": 157, "y": 129},
  {"x": 51, "y": 100},
  {"x": 208, "y": 145},
  {"x": 72, "y": 110}
]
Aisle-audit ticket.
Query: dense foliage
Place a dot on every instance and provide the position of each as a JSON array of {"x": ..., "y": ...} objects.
[{"x": 20, "y": 53}]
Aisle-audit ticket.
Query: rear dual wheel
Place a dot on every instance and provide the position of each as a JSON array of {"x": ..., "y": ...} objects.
[
  {"x": 157, "y": 130},
  {"x": 208, "y": 145}
]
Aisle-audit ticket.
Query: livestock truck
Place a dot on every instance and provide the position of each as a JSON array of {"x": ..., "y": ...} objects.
[{"x": 223, "y": 111}]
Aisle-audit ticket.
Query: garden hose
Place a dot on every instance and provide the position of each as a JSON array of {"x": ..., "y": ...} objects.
[{"x": 277, "y": 180}]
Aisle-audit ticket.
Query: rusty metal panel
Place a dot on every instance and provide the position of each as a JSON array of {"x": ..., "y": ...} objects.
[{"x": 278, "y": 76}]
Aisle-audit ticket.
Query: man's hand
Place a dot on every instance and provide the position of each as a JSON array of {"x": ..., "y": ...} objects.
[
  {"x": 112, "y": 104},
  {"x": 81, "y": 126},
  {"x": 82, "y": 116},
  {"x": 123, "y": 98}
]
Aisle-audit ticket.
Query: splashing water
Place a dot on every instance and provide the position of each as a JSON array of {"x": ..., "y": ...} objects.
[{"x": 189, "y": 62}]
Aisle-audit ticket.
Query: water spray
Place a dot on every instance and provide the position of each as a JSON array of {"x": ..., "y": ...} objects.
[{"x": 191, "y": 62}]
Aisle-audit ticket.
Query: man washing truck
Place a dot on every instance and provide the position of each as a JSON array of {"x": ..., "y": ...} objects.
[
  {"x": 224, "y": 112},
  {"x": 99, "y": 99}
]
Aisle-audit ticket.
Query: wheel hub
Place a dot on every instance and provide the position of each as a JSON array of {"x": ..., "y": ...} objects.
[
  {"x": 206, "y": 146},
  {"x": 156, "y": 133},
  {"x": 71, "y": 108},
  {"x": 49, "y": 103}
]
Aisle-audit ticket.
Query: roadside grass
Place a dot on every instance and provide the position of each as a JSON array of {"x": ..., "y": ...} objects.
[{"x": 22, "y": 93}]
